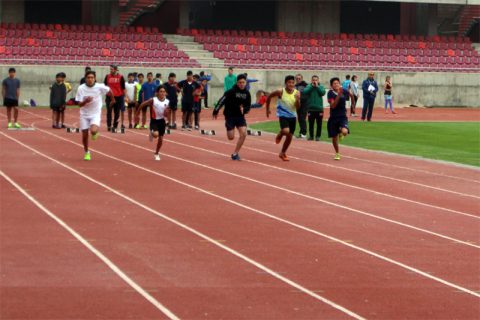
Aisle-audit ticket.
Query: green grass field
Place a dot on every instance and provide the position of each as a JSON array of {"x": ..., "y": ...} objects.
[{"x": 449, "y": 141}]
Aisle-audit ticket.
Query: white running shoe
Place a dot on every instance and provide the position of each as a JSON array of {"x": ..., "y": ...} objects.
[{"x": 157, "y": 157}]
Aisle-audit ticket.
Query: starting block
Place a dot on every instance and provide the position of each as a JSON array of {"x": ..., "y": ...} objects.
[
  {"x": 22, "y": 129},
  {"x": 115, "y": 130},
  {"x": 73, "y": 130},
  {"x": 208, "y": 132},
  {"x": 254, "y": 132}
]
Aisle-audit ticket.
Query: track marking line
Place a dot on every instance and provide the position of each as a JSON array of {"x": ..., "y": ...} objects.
[
  {"x": 92, "y": 249},
  {"x": 194, "y": 231},
  {"x": 263, "y": 213}
]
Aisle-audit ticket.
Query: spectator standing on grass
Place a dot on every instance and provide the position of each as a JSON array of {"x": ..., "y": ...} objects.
[
  {"x": 58, "y": 95},
  {"x": 11, "y": 94},
  {"x": 158, "y": 79},
  {"x": 354, "y": 92},
  {"x": 147, "y": 93},
  {"x": 346, "y": 87},
  {"x": 138, "y": 97},
  {"x": 116, "y": 82},
  {"x": 314, "y": 93},
  {"x": 130, "y": 98},
  {"x": 230, "y": 80},
  {"x": 370, "y": 89},
  {"x": 205, "y": 77},
  {"x": 388, "y": 95},
  {"x": 187, "y": 86},
  {"x": 172, "y": 96},
  {"x": 300, "y": 85}
]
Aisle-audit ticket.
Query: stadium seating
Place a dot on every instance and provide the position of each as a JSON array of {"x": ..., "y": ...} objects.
[
  {"x": 469, "y": 16},
  {"x": 281, "y": 50},
  {"x": 86, "y": 44}
]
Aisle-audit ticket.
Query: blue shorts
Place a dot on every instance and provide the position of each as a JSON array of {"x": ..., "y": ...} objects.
[{"x": 335, "y": 124}]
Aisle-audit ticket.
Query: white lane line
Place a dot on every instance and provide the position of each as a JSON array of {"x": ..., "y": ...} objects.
[
  {"x": 197, "y": 233},
  {"x": 271, "y": 216},
  {"x": 344, "y": 168},
  {"x": 331, "y": 181},
  {"x": 94, "y": 250},
  {"x": 337, "y": 205}
]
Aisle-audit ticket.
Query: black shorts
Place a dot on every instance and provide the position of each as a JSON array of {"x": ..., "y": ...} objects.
[
  {"x": 290, "y": 123},
  {"x": 158, "y": 125},
  {"x": 187, "y": 106},
  {"x": 197, "y": 107},
  {"x": 235, "y": 122},
  {"x": 334, "y": 125},
  {"x": 58, "y": 108},
  {"x": 173, "y": 106},
  {"x": 131, "y": 105},
  {"x": 10, "y": 102}
]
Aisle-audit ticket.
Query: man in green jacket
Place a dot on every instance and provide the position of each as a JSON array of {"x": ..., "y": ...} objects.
[
  {"x": 230, "y": 80},
  {"x": 313, "y": 96}
]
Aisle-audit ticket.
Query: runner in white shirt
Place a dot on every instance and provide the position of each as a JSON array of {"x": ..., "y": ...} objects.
[
  {"x": 159, "y": 110},
  {"x": 89, "y": 97},
  {"x": 130, "y": 101}
]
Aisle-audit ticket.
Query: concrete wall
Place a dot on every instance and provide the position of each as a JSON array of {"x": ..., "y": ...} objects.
[
  {"x": 12, "y": 11},
  {"x": 422, "y": 89},
  {"x": 308, "y": 16}
]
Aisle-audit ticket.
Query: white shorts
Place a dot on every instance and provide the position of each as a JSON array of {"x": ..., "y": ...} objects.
[{"x": 87, "y": 121}]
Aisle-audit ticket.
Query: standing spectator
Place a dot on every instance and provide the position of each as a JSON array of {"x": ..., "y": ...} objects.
[
  {"x": 187, "y": 86},
  {"x": 82, "y": 81},
  {"x": 261, "y": 99},
  {"x": 314, "y": 101},
  {"x": 172, "y": 96},
  {"x": 158, "y": 79},
  {"x": 69, "y": 88},
  {"x": 205, "y": 77},
  {"x": 11, "y": 94},
  {"x": 116, "y": 82},
  {"x": 130, "y": 98},
  {"x": 197, "y": 101},
  {"x": 388, "y": 95},
  {"x": 230, "y": 80},
  {"x": 370, "y": 89},
  {"x": 346, "y": 87},
  {"x": 138, "y": 97},
  {"x": 148, "y": 92},
  {"x": 250, "y": 80},
  {"x": 58, "y": 95},
  {"x": 300, "y": 85},
  {"x": 354, "y": 92}
]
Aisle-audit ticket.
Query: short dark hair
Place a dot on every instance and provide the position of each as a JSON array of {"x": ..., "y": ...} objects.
[
  {"x": 158, "y": 75},
  {"x": 334, "y": 79},
  {"x": 241, "y": 76},
  {"x": 189, "y": 73},
  {"x": 140, "y": 75},
  {"x": 202, "y": 73},
  {"x": 90, "y": 72},
  {"x": 289, "y": 77},
  {"x": 196, "y": 76},
  {"x": 354, "y": 77},
  {"x": 87, "y": 68},
  {"x": 60, "y": 75},
  {"x": 160, "y": 87},
  {"x": 315, "y": 76},
  {"x": 11, "y": 70},
  {"x": 149, "y": 74},
  {"x": 347, "y": 77},
  {"x": 130, "y": 75},
  {"x": 172, "y": 75},
  {"x": 114, "y": 66},
  {"x": 230, "y": 68}
]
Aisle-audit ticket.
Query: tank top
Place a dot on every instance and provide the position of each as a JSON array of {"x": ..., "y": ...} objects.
[
  {"x": 158, "y": 108},
  {"x": 286, "y": 104},
  {"x": 388, "y": 90}
]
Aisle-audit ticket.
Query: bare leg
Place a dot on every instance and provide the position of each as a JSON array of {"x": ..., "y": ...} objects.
[
  {"x": 62, "y": 116},
  {"x": 85, "y": 139},
  {"x": 173, "y": 116},
  {"x": 335, "y": 143},
  {"x": 9, "y": 114},
  {"x": 122, "y": 116},
  {"x": 54, "y": 116},
  {"x": 144, "y": 117},
  {"x": 241, "y": 139},
  {"x": 231, "y": 134},
  {"x": 130, "y": 110},
  {"x": 93, "y": 129},
  {"x": 15, "y": 114},
  {"x": 286, "y": 144},
  {"x": 57, "y": 117}
]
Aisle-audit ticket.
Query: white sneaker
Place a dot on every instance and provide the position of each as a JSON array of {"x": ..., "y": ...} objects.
[
  {"x": 303, "y": 136},
  {"x": 150, "y": 136},
  {"x": 157, "y": 157}
]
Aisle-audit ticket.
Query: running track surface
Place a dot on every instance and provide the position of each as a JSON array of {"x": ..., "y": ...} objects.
[{"x": 198, "y": 236}]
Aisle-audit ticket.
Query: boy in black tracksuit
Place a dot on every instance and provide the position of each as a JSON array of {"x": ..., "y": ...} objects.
[
  {"x": 237, "y": 103},
  {"x": 302, "y": 112}
]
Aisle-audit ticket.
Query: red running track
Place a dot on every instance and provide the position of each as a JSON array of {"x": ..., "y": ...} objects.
[{"x": 414, "y": 255}]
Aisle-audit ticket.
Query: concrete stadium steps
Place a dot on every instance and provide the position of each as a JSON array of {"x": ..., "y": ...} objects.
[{"x": 194, "y": 50}]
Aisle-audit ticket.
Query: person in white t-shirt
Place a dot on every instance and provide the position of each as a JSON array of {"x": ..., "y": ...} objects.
[
  {"x": 89, "y": 97},
  {"x": 130, "y": 101},
  {"x": 159, "y": 110}
]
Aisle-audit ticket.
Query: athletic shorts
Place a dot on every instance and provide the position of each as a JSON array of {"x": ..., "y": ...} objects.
[
  {"x": 235, "y": 122},
  {"x": 87, "y": 121},
  {"x": 158, "y": 125},
  {"x": 58, "y": 108},
  {"x": 131, "y": 105},
  {"x": 197, "y": 107},
  {"x": 290, "y": 123},
  {"x": 334, "y": 125},
  {"x": 10, "y": 102},
  {"x": 173, "y": 106},
  {"x": 187, "y": 106}
]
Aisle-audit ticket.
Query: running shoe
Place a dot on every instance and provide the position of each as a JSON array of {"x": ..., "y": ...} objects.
[
  {"x": 95, "y": 136},
  {"x": 145, "y": 126},
  {"x": 157, "y": 157},
  {"x": 87, "y": 156},
  {"x": 317, "y": 139},
  {"x": 174, "y": 126},
  {"x": 10, "y": 125},
  {"x": 137, "y": 126},
  {"x": 284, "y": 157},
  {"x": 17, "y": 125},
  {"x": 235, "y": 156},
  {"x": 197, "y": 127},
  {"x": 337, "y": 156}
]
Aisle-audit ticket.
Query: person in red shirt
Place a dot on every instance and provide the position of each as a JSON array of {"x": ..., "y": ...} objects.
[{"x": 116, "y": 82}]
